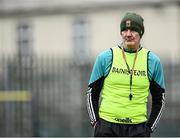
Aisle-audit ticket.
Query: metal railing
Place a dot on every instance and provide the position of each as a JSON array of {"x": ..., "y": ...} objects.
[{"x": 46, "y": 97}]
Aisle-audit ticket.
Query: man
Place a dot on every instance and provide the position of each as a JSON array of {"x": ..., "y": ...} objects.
[{"x": 124, "y": 75}]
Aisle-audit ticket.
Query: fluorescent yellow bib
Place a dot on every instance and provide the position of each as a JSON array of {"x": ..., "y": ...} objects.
[{"x": 115, "y": 105}]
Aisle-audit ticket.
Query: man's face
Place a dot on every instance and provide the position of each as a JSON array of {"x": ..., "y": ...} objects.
[{"x": 130, "y": 38}]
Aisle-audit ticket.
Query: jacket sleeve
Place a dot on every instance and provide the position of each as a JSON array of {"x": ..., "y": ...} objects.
[
  {"x": 157, "y": 90},
  {"x": 93, "y": 95},
  {"x": 100, "y": 69},
  {"x": 158, "y": 104}
]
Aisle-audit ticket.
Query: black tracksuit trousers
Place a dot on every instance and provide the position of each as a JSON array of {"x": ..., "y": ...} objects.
[{"x": 107, "y": 129}]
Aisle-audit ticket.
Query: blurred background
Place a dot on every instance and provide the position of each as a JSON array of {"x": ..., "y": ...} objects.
[{"x": 47, "y": 50}]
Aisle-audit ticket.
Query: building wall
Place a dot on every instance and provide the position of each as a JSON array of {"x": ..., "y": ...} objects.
[
  {"x": 161, "y": 30},
  {"x": 53, "y": 33},
  {"x": 7, "y": 36}
]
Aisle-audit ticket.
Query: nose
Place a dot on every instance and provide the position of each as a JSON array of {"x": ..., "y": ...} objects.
[{"x": 128, "y": 33}]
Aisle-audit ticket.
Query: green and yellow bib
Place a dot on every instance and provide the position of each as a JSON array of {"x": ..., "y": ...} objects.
[{"x": 115, "y": 104}]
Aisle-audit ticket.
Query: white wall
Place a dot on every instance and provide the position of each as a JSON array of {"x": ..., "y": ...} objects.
[
  {"x": 53, "y": 34},
  {"x": 161, "y": 30},
  {"x": 7, "y": 37}
]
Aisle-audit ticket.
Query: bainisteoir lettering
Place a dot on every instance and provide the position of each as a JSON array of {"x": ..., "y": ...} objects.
[{"x": 126, "y": 72}]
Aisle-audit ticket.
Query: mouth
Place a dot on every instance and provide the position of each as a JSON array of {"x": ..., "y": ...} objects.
[{"x": 129, "y": 39}]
